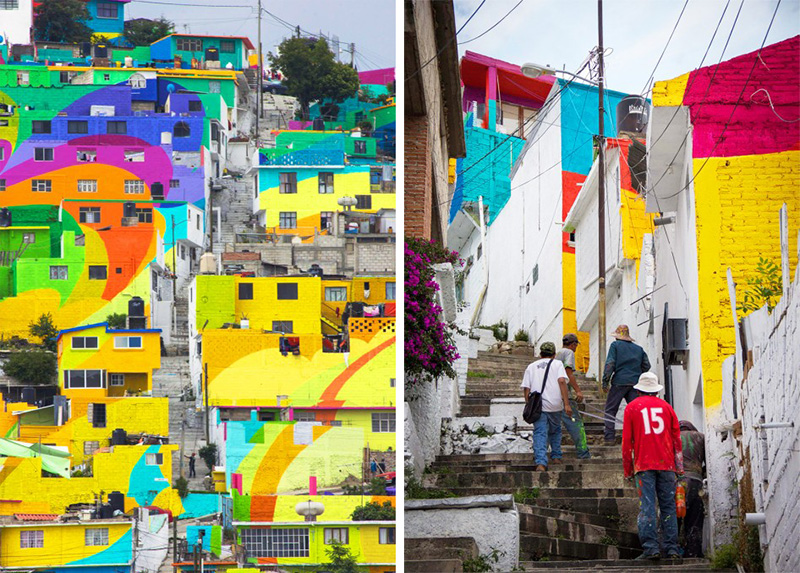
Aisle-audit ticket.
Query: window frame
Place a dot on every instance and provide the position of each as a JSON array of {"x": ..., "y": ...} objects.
[
  {"x": 393, "y": 289},
  {"x": 359, "y": 147},
  {"x": 287, "y": 291},
  {"x": 283, "y": 326},
  {"x": 40, "y": 126},
  {"x": 77, "y": 126},
  {"x": 87, "y": 185},
  {"x": 225, "y": 44},
  {"x": 45, "y": 156},
  {"x": 87, "y": 213},
  {"x": 154, "y": 459},
  {"x": 384, "y": 423},
  {"x": 100, "y": 540},
  {"x": 287, "y": 220},
  {"x": 110, "y": 11},
  {"x": 29, "y": 238},
  {"x": 83, "y": 343},
  {"x": 194, "y": 44},
  {"x": 334, "y": 534},
  {"x": 114, "y": 379},
  {"x": 68, "y": 383},
  {"x": 240, "y": 295},
  {"x": 287, "y": 182},
  {"x": 127, "y": 339},
  {"x": 181, "y": 130},
  {"x": 133, "y": 186},
  {"x": 277, "y": 542},
  {"x": 41, "y": 185},
  {"x": 96, "y": 270},
  {"x": 37, "y": 541},
  {"x": 145, "y": 214},
  {"x": 384, "y": 536},
  {"x": 120, "y": 127},
  {"x": 363, "y": 202},
  {"x": 325, "y": 182},
  {"x": 94, "y": 445},
  {"x": 58, "y": 269},
  {"x": 335, "y": 289}
]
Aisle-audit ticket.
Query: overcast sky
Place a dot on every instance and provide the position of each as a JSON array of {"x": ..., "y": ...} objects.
[
  {"x": 368, "y": 23},
  {"x": 560, "y": 33}
]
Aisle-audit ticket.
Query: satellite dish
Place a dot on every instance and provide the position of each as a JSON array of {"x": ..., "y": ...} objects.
[{"x": 171, "y": 88}]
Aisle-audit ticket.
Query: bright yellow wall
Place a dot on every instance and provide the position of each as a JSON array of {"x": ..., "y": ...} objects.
[
  {"x": 569, "y": 319},
  {"x": 635, "y": 225},
  {"x": 737, "y": 200}
]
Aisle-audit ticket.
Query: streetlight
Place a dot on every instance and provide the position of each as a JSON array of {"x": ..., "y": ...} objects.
[{"x": 534, "y": 71}]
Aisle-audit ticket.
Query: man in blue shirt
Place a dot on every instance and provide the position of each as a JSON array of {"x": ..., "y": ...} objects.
[{"x": 626, "y": 361}]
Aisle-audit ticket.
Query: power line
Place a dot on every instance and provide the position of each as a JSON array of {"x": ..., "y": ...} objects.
[
  {"x": 193, "y": 5},
  {"x": 675, "y": 27},
  {"x": 495, "y": 24}
]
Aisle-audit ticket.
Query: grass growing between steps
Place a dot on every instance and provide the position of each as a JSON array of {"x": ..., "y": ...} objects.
[
  {"x": 415, "y": 490},
  {"x": 482, "y": 563},
  {"x": 526, "y": 495},
  {"x": 479, "y": 374}
]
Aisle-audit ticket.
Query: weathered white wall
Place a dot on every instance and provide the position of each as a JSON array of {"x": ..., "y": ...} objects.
[
  {"x": 771, "y": 393},
  {"x": 153, "y": 542},
  {"x": 15, "y": 25},
  {"x": 527, "y": 232}
]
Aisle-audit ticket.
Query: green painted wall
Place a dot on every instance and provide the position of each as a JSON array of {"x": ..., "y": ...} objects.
[
  {"x": 220, "y": 290},
  {"x": 350, "y": 146},
  {"x": 11, "y": 240},
  {"x": 35, "y": 273}
]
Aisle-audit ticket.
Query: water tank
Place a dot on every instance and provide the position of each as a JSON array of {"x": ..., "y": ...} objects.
[
  {"x": 208, "y": 264},
  {"x": 315, "y": 270},
  {"x": 309, "y": 509},
  {"x": 319, "y": 124},
  {"x": 86, "y": 49},
  {"x": 129, "y": 209},
  {"x": 157, "y": 190},
  {"x": 136, "y": 306},
  {"x": 119, "y": 437},
  {"x": 128, "y": 62},
  {"x": 28, "y": 394},
  {"x": 5, "y": 217},
  {"x": 137, "y": 322},
  {"x": 106, "y": 512},
  {"x": 101, "y": 51},
  {"x": 212, "y": 54},
  {"x": 117, "y": 501},
  {"x": 632, "y": 116}
]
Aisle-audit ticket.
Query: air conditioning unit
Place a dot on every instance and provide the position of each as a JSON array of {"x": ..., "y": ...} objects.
[{"x": 676, "y": 343}]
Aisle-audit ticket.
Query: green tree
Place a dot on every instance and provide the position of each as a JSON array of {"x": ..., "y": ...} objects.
[
  {"x": 62, "y": 21},
  {"x": 373, "y": 511},
  {"x": 117, "y": 321},
  {"x": 36, "y": 367},
  {"x": 143, "y": 31},
  {"x": 764, "y": 287},
  {"x": 209, "y": 455},
  {"x": 45, "y": 329},
  {"x": 340, "y": 559},
  {"x": 311, "y": 73},
  {"x": 377, "y": 486}
]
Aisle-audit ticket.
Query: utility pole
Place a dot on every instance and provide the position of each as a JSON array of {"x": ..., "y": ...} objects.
[
  {"x": 260, "y": 84},
  {"x": 174, "y": 268},
  {"x": 205, "y": 395},
  {"x": 601, "y": 201},
  {"x": 352, "y": 54},
  {"x": 175, "y": 540}
]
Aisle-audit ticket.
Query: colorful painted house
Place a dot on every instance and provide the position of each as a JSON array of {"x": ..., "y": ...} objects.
[
  {"x": 274, "y": 533},
  {"x": 211, "y": 52},
  {"x": 107, "y": 17},
  {"x": 303, "y": 179}
]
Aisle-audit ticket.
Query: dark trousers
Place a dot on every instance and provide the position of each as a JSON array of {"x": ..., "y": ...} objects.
[
  {"x": 615, "y": 396},
  {"x": 691, "y": 526},
  {"x": 191, "y": 469}
]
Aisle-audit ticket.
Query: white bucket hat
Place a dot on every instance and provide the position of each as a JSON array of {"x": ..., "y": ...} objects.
[{"x": 648, "y": 382}]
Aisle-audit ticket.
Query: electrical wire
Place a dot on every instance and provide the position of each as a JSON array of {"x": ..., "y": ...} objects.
[
  {"x": 664, "y": 51},
  {"x": 495, "y": 24},
  {"x": 195, "y": 5}
]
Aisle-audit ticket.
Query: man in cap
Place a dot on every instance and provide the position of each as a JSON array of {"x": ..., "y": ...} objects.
[
  {"x": 694, "y": 462},
  {"x": 652, "y": 450},
  {"x": 574, "y": 422},
  {"x": 626, "y": 360},
  {"x": 547, "y": 376}
]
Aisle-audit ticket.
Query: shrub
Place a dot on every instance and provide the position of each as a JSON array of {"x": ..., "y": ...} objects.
[
  {"x": 377, "y": 486},
  {"x": 765, "y": 286},
  {"x": 724, "y": 557},
  {"x": 208, "y": 453},
  {"x": 45, "y": 329},
  {"x": 500, "y": 330},
  {"x": 521, "y": 336},
  {"x": 341, "y": 560},
  {"x": 429, "y": 344},
  {"x": 182, "y": 485},
  {"x": 35, "y": 368},
  {"x": 117, "y": 321},
  {"x": 373, "y": 511}
]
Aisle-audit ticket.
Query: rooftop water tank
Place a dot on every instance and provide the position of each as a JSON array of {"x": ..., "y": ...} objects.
[
  {"x": 208, "y": 264},
  {"x": 633, "y": 113}
]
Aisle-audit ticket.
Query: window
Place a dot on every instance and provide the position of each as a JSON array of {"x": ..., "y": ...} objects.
[
  {"x": 23, "y": 78},
  {"x": 2, "y": 184},
  {"x": 336, "y": 294},
  {"x": 117, "y": 127},
  {"x": 326, "y": 220},
  {"x": 134, "y": 155},
  {"x": 98, "y": 272},
  {"x": 87, "y": 155},
  {"x": 245, "y": 291},
  {"x": 97, "y": 412},
  {"x": 43, "y": 154},
  {"x": 87, "y": 185},
  {"x": 360, "y": 147},
  {"x": 137, "y": 82},
  {"x": 58, "y": 273},
  {"x": 383, "y": 422},
  {"x": 386, "y": 536},
  {"x": 285, "y": 326},
  {"x": 107, "y": 77},
  {"x": 107, "y": 10},
  {"x": 392, "y": 382},
  {"x": 325, "y": 183},
  {"x": 363, "y": 201},
  {"x": 197, "y": 222},
  {"x": 84, "y": 379},
  {"x": 145, "y": 215},
  {"x": 80, "y": 240},
  {"x": 40, "y": 127},
  {"x": 535, "y": 274},
  {"x": 29, "y": 238},
  {"x": 288, "y": 220},
  {"x": 174, "y": 183},
  {"x": 337, "y": 535},
  {"x": 390, "y": 291},
  {"x": 117, "y": 379},
  {"x": 154, "y": 459},
  {"x": 76, "y": 126},
  {"x": 227, "y": 46},
  {"x": 99, "y": 535},
  {"x": 263, "y": 542},
  {"x": 288, "y": 183},
  {"x": 189, "y": 45},
  {"x": 84, "y": 342},
  {"x": 127, "y": 342},
  {"x": 305, "y": 416},
  {"x": 181, "y": 129},
  {"x": 31, "y": 538},
  {"x": 195, "y": 105},
  {"x": 287, "y": 291},
  {"x": 9, "y": 4},
  {"x": 41, "y": 185},
  {"x": 89, "y": 215},
  {"x": 214, "y": 87},
  {"x": 134, "y": 186},
  {"x": 89, "y": 448}
]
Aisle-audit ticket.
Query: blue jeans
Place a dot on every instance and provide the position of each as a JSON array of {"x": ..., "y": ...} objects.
[
  {"x": 657, "y": 486},
  {"x": 547, "y": 429},
  {"x": 576, "y": 430}
]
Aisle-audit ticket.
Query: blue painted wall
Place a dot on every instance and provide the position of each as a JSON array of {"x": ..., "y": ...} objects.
[{"x": 106, "y": 25}]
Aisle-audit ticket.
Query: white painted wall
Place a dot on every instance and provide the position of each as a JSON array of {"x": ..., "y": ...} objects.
[
  {"x": 153, "y": 541},
  {"x": 15, "y": 25},
  {"x": 527, "y": 232}
]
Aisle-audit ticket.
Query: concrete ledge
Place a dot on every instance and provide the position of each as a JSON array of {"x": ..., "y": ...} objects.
[{"x": 500, "y": 501}]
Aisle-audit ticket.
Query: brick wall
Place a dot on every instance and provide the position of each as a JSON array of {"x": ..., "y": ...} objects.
[{"x": 417, "y": 188}]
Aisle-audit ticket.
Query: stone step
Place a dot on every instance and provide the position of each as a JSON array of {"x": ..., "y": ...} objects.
[
  {"x": 535, "y": 547},
  {"x": 569, "y": 465},
  {"x": 437, "y": 565},
  {"x": 602, "y": 451},
  {"x": 620, "y": 565},
  {"x": 603, "y": 482},
  {"x": 577, "y": 517},
  {"x": 423, "y": 549},
  {"x": 538, "y": 524}
]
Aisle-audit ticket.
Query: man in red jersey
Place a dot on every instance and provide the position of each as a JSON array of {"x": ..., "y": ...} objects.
[{"x": 651, "y": 449}]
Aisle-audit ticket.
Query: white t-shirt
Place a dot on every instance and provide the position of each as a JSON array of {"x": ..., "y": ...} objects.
[{"x": 534, "y": 377}]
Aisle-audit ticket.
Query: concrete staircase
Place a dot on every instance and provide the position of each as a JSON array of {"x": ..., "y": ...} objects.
[
  {"x": 239, "y": 199},
  {"x": 180, "y": 331},
  {"x": 440, "y": 554},
  {"x": 577, "y": 516}
]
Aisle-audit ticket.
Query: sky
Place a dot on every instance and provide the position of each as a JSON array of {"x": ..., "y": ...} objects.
[
  {"x": 370, "y": 24},
  {"x": 560, "y": 34}
]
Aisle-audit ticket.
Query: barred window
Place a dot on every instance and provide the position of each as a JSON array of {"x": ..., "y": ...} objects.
[
  {"x": 135, "y": 186},
  {"x": 145, "y": 214},
  {"x": 9, "y": 4},
  {"x": 43, "y": 154},
  {"x": 263, "y": 542},
  {"x": 383, "y": 422},
  {"x": 305, "y": 416},
  {"x": 77, "y": 126},
  {"x": 363, "y": 202},
  {"x": 59, "y": 273},
  {"x": 87, "y": 185},
  {"x": 227, "y": 47},
  {"x": 97, "y": 536},
  {"x": 89, "y": 214},
  {"x": 41, "y": 185},
  {"x": 31, "y": 539}
]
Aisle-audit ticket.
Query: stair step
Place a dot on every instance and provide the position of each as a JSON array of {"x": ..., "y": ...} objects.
[
  {"x": 539, "y": 524},
  {"x": 604, "y": 482},
  {"x": 577, "y": 517},
  {"x": 662, "y": 566},
  {"x": 438, "y": 565},
  {"x": 537, "y": 546}
]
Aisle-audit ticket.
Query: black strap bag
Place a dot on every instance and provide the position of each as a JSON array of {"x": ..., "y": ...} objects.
[{"x": 533, "y": 407}]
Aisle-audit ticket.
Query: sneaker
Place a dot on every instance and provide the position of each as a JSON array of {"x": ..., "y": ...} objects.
[
  {"x": 540, "y": 468},
  {"x": 650, "y": 556}
]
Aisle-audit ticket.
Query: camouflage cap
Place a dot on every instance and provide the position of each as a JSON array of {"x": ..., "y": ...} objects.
[
  {"x": 569, "y": 339},
  {"x": 547, "y": 348}
]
